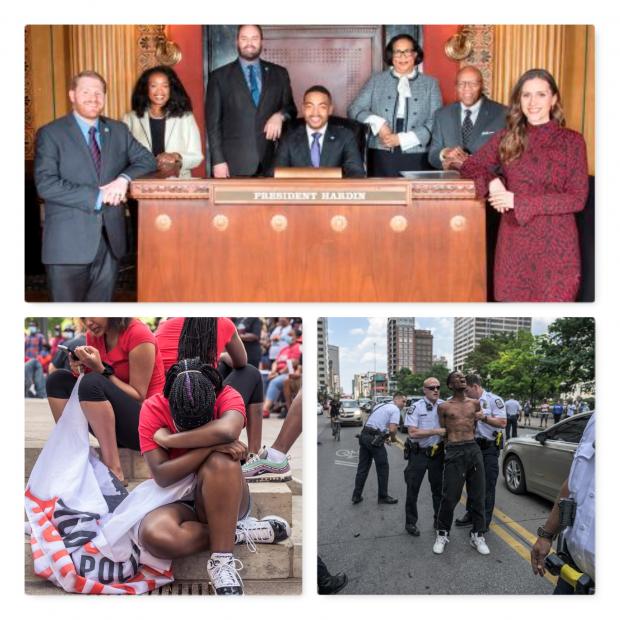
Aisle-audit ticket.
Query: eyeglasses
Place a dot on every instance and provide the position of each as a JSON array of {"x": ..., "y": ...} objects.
[
  {"x": 403, "y": 53},
  {"x": 467, "y": 84},
  {"x": 431, "y": 387}
]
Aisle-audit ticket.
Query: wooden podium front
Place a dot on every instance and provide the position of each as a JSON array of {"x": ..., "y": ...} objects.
[{"x": 351, "y": 240}]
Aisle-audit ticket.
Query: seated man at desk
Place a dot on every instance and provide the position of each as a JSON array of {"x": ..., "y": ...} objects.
[{"x": 316, "y": 143}]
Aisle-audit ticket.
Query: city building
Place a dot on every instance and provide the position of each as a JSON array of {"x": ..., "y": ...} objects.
[
  {"x": 408, "y": 347},
  {"x": 469, "y": 331},
  {"x": 322, "y": 358},
  {"x": 333, "y": 356}
]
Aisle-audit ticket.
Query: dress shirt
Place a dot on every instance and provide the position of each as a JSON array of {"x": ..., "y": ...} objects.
[
  {"x": 311, "y": 131},
  {"x": 259, "y": 77},
  {"x": 475, "y": 109}
]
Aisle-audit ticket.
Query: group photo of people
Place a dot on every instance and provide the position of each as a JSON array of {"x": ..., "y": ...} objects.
[
  {"x": 179, "y": 410},
  {"x": 525, "y": 153}
]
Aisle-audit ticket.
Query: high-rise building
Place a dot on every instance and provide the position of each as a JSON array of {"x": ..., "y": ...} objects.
[
  {"x": 333, "y": 355},
  {"x": 322, "y": 359},
  {"x": 469, "y": 331},
  {"x": 408, "y": 347}
]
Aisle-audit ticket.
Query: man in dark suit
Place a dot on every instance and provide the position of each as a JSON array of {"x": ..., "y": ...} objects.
[
  {"x": 461, "y": 128},
  {"x": 248, "y": 100},
  {"x": 317, "y": 143},
  {"x": 83, "y": 165}
]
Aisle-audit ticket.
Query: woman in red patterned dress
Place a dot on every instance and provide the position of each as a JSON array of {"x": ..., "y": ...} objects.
[{"x": 535, "y": 174}]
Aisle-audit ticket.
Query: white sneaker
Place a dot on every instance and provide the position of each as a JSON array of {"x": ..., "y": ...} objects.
[
  {"x": 223, "y": 572},
  {"x": 441, "y": 541},
  {"x": 479, "y": 544},
  {"x": 268, "y": 530}
]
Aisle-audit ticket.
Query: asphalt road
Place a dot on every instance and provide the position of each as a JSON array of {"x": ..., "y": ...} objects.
[{"x": 369, "y": 543}]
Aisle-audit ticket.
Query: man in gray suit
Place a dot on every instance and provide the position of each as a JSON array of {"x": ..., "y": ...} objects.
[
  {"x": 84, "y": 163},
  {"x": 461, "y": 128}
]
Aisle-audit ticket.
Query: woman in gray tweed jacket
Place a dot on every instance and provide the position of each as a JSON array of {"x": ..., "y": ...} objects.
[{"x": 398, "y": 104}]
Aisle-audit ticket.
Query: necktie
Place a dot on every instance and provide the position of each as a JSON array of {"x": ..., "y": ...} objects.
[
  {"x": 467, "y": 129},
  {"x": 315, "y": 149},
  {"x": 253, "y": 84},
  {"x": 93, "y": 147}
]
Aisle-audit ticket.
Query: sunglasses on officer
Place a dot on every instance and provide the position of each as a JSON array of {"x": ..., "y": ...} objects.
[{"x": 431, "y": 387}]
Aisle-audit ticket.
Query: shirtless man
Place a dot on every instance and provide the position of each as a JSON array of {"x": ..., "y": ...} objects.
[{"x": 463, "y": 464}]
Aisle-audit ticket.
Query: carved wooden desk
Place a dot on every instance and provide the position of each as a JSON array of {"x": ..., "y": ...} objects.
[{"x": 266, "y": 240}]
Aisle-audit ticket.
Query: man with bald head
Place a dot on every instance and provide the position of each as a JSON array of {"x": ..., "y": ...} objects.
[
  {"x": 425, "y": 453},
  {"x": 462, "y": 128}
]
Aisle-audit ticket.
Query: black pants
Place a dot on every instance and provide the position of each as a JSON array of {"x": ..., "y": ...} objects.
[
  {"x": 417, "y": 466},
  {"x": 462, "y": 465},
  {"x": 247, "y": 381},
  {"x": 490, "y": 458},
  {"x": 91, "y": 282},
  {"x": 97, "y": 388},
  {"x": 367, "y": 453},
  {"x": 511, "y": 426}
]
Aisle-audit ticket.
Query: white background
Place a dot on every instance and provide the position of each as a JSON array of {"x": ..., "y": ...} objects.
[{"x": 605, "y": 16}]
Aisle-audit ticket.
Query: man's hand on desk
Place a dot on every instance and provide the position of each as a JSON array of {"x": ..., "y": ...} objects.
[
  {"x": 220, "y": 171},
  {"x": 115, "y": 192}
]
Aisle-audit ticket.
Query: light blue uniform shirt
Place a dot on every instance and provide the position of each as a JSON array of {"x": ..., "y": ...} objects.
[
  {"x": 492, "y": 405},
  {"x": 382, "y": 416},
  {"x": 580, "y": 537},
  {"x": 420, "y": 417}
]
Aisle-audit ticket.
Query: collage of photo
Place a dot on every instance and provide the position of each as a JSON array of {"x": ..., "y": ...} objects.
[{"x": 373, "y": 180}]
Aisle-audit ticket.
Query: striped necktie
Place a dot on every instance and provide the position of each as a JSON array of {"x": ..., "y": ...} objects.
[{"x": 93, "y": 147}]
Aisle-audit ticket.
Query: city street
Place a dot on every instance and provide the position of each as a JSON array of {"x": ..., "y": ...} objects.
[{"x": 369, "y": 543}]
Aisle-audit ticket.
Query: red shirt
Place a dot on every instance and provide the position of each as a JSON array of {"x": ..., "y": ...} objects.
[
  {"x": 136, "y": 333},
  {"x": 155, "y": 414},
  {"x": 169, "y": 332},
  {"x": 290, "y": 352}
]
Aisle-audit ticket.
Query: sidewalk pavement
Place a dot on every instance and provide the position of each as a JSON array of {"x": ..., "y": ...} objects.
[{"x": 39, "y": 424}]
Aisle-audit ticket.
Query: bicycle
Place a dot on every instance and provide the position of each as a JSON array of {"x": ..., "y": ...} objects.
[{"x": 336, "y": 428}]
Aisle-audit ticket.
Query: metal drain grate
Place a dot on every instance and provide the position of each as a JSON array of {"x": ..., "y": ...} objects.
[{"x": 200, "y": 588}]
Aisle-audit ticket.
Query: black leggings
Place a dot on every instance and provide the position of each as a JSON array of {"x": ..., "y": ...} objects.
[
  {"x": 247, "y": 381},
  {"x": 97, "y": 388}
]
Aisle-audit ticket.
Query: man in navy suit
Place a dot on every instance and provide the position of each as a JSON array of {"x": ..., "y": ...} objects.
[
  {"x": 84, "y": 163},
  {"x": 248, "y": 100},
  {"x": 461, "y": 128},
  {"x": 317, "y": 143}
]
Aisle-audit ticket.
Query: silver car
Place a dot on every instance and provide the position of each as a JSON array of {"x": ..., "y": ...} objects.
[
  {"x": 540, "y": 463},
  {"x": 350, "y": 413}
]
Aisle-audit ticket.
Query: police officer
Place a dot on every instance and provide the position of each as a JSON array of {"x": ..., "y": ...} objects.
[
  {"x": 489, "y": 436},
  {"x": 513, "y": 410},
  {"x": 579, "y": 547},
  {"x": 383, "y": 420},
  {"x": 425, "y": 453}
]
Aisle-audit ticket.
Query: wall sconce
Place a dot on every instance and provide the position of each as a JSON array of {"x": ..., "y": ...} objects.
[
  {"x": 167, "y": 52},
  {"x": 459, "y": 46}
]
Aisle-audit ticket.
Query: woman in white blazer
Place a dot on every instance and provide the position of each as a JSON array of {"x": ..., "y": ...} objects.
[{"x": 161, "y": 120}]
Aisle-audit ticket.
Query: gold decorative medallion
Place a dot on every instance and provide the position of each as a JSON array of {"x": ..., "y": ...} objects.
[
  {"x": 399, "y": 223},
  {"x": 163, "y": 222},
  {"x": 279, "y": 223},
  {"x": 220, "y": 222},
  {"x": 339, "y": 223}
]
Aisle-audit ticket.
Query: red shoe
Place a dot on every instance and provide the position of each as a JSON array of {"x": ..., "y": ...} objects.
[{"x": 265, "y": 413}]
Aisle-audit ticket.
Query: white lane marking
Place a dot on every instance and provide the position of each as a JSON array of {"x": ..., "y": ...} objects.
[{"x": 345, "y": 463}]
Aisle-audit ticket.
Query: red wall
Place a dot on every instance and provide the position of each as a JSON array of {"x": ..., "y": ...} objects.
[
  {"x": 189, "y": 39},
  {"x": 189, "y": 70},
  {"x": 436, "y": 63}
]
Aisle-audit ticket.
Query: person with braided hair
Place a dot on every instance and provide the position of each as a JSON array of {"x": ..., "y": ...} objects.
[
  {"x": 194, "y": 427},
  {"x": 216, "y": 342}
]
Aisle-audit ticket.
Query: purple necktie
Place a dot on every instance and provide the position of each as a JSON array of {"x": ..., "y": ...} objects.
[
  {"x": 315, "y": 150},
  {"x": 93, "y": 147}
]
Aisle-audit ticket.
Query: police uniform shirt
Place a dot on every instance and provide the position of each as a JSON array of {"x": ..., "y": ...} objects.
[
  {"x": 512, "y": 407},
  {"x": 492, "y": 405},
  {"x": 382, "y": 416},
  {"x": 580, "y": 537},
  {"x": 420, "y": 417}
]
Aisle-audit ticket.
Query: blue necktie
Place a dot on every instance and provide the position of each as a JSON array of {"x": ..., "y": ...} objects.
[
  {"x": 315, "y": 149},
  {"x": 254, "y": 91}
]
